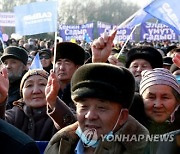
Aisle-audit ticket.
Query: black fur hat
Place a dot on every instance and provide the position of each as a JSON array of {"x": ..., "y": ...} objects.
[
  {"x": 148, "y": 53},
  {"x": 71, "y": 51},
  {"x": 104, "y": 81},
  {"x": 16, "y": 53}
]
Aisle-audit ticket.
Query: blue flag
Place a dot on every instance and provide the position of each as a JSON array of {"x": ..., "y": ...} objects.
[
  {"x": 139, "y": 18},
  {"x": 36, "y": 18},
  {"x": 87, "y": 38},
  {"x": 166, "y": 11},
  {"x": 36, "y": 63}
]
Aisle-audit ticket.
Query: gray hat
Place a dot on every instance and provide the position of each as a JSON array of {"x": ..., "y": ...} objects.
[
  {"x": 158, "y": 76},
  {"x": 15, "y": 53}
]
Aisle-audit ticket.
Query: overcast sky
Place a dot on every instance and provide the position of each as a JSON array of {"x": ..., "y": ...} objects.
[{"x": 141, "y": 3}]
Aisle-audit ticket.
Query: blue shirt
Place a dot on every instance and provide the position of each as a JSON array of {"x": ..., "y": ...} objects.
[{"x": 79, "y": 148}]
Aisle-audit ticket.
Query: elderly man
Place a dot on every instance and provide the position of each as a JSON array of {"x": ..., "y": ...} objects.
[
  {"x": 102, "y": 94},
  {"x": 142, "y": 58},
  {"x": 69, "y": 57},
  {"x": 15, "y": 60}
]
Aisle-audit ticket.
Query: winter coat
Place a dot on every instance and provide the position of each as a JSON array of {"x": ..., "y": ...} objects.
[
  {"x": 35, "y": 122},
  {"x": 12, "y": 140},
  {"x": 65, "y": 140}
]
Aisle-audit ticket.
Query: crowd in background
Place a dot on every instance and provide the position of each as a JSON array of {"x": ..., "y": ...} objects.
[{"x": 155, "y": 97}]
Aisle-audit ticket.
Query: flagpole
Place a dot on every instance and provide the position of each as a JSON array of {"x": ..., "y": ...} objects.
[
  {"x": 126, "y": 41},
  {"x": 55, "y": 47}
]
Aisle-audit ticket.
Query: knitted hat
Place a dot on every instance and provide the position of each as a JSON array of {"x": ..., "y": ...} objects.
[
  {"x": 15, "y": 53},
  {"x": 71, "y": 51},
  {"x": 30, "y": 73},
  {"x": 148, "y": 53},
  {"x": 103, "y": 81},
  {"x": 158, "y": 76}
]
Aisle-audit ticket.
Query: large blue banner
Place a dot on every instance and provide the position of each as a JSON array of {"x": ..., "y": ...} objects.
[
  {"x": 166, "y": 11},
  {"x": 102, "y": 27},
  {"x": 157, "y": 32},
  {"x": 77, "y": 32},
  {"x": 121, "y": 35},
  {"x": 36, "y": 18}
]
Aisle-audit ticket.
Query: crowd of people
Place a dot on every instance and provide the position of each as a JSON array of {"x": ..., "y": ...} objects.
[{"x": 90, "y": 101}]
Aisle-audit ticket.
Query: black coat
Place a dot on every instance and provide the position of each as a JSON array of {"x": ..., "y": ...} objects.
[
  {"x": 13, "y": 93},
  {"x": 12, "y": 140}
]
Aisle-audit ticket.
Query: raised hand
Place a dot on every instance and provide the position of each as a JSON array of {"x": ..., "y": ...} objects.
[
  {"x": 4, "y": 85},
  {"x": 101, "y": 47},
  {"x": 176, "y": 59},
  {"x": 52, "y": 89}
]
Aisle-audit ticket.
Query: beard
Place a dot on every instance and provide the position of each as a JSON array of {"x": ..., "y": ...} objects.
[{"x": 14, "y": 77}]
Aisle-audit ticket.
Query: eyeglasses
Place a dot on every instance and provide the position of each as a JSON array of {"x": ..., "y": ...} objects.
[{"x": 45, "y": 57}]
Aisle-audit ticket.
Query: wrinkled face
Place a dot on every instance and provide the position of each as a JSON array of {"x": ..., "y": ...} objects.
[
  {"x": 45, "y": 60},
  {"x": 99, "y": 114},
  {"x": 159, "y": 102},
  {"x": 15, "y": 69},
  {"x": 137, "y": 66},
  {"x": 64, "y": 69},
  {"x": 33, "y": 91}
]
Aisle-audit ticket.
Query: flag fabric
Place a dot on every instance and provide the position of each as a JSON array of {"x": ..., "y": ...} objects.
[
  {"x": 1, "y": 37},
  {"x": 87, "y": 38},
  {"x": 166, "y": 11},
  {"x": 36, "y": 18},
  {"x": 36, "y": 63},
  {"x": 139, "y": 18}
]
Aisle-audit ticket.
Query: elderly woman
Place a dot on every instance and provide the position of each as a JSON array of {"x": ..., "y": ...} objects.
[
  {"x": 161, "y": 96},
  {"x": 29, "y": 114}
]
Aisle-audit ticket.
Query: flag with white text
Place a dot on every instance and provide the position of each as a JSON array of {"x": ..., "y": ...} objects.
[{"x": 36, "y": 18}]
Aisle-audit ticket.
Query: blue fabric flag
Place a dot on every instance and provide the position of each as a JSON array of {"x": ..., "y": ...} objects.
[
  {"x": 87, "y": 38},
  {"x": 1, "y": 37},
  {"x": 166, "y": 11},
  {"x": 36, "y": 63},
  {"x": 139, "y": 18},
  {"x": 36, "y": 18}
]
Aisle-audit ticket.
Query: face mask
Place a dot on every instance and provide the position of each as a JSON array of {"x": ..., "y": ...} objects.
[
  {"x": 93, "y": 142},
  {"x": 110, "y": 134},
  {"x": 88, "y": 137}
]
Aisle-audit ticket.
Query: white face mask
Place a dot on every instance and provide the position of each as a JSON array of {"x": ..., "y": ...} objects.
[
  {"x": 87, "y": 140},
  {"x": 110, "y": 134},
  {"x": 93, "y": 142}
]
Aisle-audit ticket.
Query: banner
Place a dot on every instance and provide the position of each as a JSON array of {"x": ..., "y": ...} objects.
[
  {"x": 7, "y": 19},
  {"x": 121, "y": 35},
  {"x": 77, "y": 32},
  {"x": 157, "y": 32},
  {"x": 36, "y": 18},
  {"x": 167, "y": 11},
  {"x": 102, "y": 27}
]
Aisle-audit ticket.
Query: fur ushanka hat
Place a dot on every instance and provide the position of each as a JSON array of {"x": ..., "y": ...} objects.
[
  {"x": 147, "y": 53},
  {"x": 71, "y": 51},
  {"x": 103, "y": 81}
]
